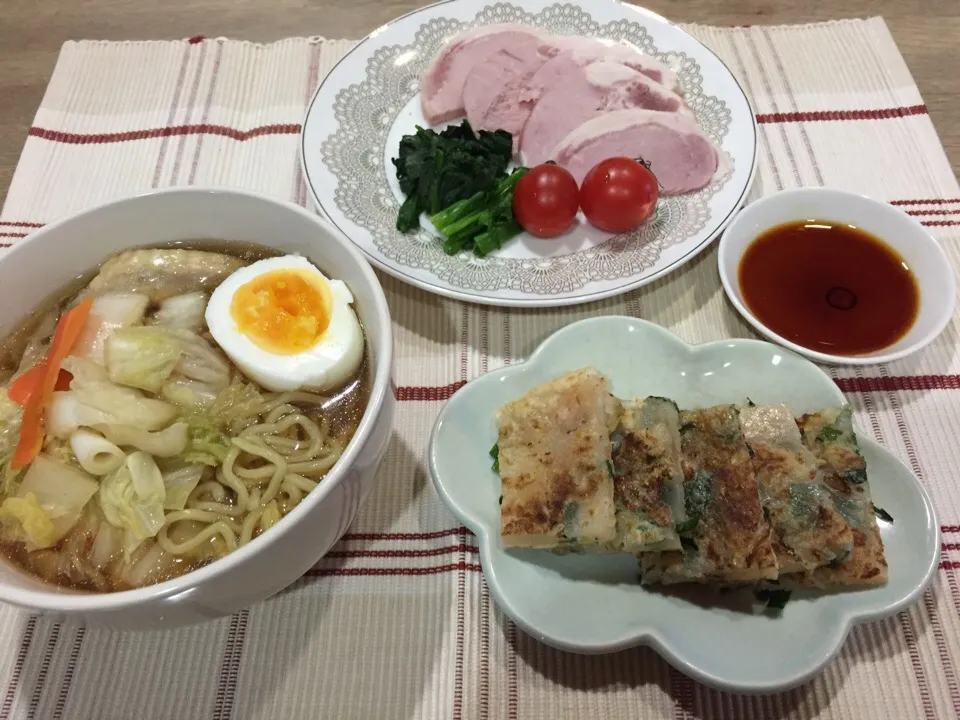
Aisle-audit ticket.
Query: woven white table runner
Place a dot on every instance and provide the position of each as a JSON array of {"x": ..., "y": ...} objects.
[{"x": 396, "y": 622}]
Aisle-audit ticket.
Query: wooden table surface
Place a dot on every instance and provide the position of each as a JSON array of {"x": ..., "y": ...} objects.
[{"x": 33, "y": 30}]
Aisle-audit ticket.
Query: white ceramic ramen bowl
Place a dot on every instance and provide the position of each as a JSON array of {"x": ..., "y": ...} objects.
[
  {"x": 53, "y": 256},
  {"x": 919, "y": 249}
]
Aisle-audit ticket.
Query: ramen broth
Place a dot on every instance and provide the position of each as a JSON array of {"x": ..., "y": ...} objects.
[{"x": 251, "y": 455}]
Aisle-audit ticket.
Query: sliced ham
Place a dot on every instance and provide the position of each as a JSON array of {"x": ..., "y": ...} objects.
[
  {"x": 569, "y": 94},
  {"x": 588, "y": 50},
  {"x": 494, "y": 89},
  {"x": 442, "y": 85},
  {"x": 680, "y": 155}
]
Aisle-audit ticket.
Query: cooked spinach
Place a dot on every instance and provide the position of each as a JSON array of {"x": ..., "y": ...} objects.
[
  {"x": 687, "y": 427},
  {"x": 806, "y": 499},
  {"x": 882, "y": 514},
  {"x": 857, "y": 476},
  {"x": 688, "y": 524},
  {"x": 611, "y": 468},
  {"x": 483, "y": 222},
  {"x": 773, "y": 599},
  {"x": 495, "y": 454},
  {"x": 698, "y": 494},
  {"x": 437, "y": 169},
  {"x": 849, "y": 510},
  {"x": 829, "y": 433},
  {"x": 751, "y": 403}
]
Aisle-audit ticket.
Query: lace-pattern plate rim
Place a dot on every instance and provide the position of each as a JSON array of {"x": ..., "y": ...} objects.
[{"x": 369, "y": 100}]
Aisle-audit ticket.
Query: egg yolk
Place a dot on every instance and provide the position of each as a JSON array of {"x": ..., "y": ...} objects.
[{"x": 283, "y": 311}]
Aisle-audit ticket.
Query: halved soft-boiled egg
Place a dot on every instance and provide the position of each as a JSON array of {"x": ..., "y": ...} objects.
[{"x": 286, "y": 325}]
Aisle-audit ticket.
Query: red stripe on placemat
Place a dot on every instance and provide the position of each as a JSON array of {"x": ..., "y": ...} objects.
[
  {"x": 422, "y": 393},
  {"x": 230, "y": 666},
  {"x": 788, "y": 86},
  {"x": 41, "y": 681},
  {"x": 940, "y": 223},
  {"x": 460, "y": 633},
  {"x": 441, "y": 393},
  {"x": 484, "y": 651},
  {"x": 434, "y": 535},
  {"x": 472, "y": 550},
  {"x": 895, "y": 383},
  {"x": 191, "y": 106},
  {"x": 910, "y": 637},
  {"x": 207, "y": 105},
  {"x": 946, "y": 662},
  {"x": 446, "y": 568},
  {"x": 13, "y": 235},
  {"x": 13, "y": 688},
  {"x": 313, "y": 72},
  {"x": 681, "y": 690},
  {"x": 392, "y": 571},
  {"x": 70, "y": 138},
  {"x": 926, "y": 201},
  {"x": 453, "y": 532},
  {"x": 904, "y": 618},
  {"x": 841, "y": 115},
  {"x": 426, "y": 393},
  {"x": 431, "y": 552},
  {"x": 513, "y": 689},
  {"x": 768, "y": 90},
  {"x": 174, "y": 104},
  {"x": 68, "y": 674},
  {"x": 902, "y": 202}
]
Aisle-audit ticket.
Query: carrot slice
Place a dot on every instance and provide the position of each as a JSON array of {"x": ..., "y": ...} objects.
[
  {"x": 29, "y": 382},
  {"x": 24, "y": 386},
  {"x": 31, "y": 429}
]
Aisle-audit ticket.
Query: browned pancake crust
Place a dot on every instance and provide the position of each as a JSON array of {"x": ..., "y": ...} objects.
[
  {"x": 841, "y": 463},
  {"x": 643, "y": 472},
  {"x": 732, "y": 541},
  {"x": 554, "y": 457}
]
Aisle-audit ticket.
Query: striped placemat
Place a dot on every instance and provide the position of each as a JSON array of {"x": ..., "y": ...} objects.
[{"x": 397, "y": 622}]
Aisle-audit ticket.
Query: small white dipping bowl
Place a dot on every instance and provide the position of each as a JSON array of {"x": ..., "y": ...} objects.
[
  {"x": 922, "y": 253},
  {"x": 57, "y": 254}
]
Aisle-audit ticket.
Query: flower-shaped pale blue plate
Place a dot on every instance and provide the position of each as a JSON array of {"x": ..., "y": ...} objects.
[{"x": 594, "y": 603}]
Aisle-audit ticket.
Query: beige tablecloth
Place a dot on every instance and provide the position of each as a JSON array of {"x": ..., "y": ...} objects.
[{"x": 396, "y": 622}]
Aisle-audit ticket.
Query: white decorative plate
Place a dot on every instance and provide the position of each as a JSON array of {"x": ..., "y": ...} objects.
[
  {"x": 595, "y": 604},
  {"x": 370, "y": 100}
]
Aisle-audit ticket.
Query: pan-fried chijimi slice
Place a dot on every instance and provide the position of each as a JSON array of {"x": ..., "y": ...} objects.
[
  {"x": 829, "y": 435},
  {"x": 647, "y": 479},
  {"x": 730, "y": 542},
  {"x": 807, "y": 531},
  {"x": 554, "y": 457}
]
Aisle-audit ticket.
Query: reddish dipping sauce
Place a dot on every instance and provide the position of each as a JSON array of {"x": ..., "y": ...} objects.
[{"x": 829, "y": 287}]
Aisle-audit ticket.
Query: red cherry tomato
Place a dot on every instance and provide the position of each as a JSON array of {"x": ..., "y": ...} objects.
[
  {"x": 619, "y": 194},
  {"x": 546, "y": 200}
]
